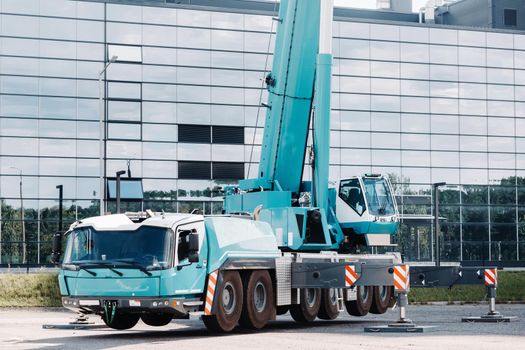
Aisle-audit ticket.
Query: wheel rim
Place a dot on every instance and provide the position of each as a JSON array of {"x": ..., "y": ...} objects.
[
  {"x": 259, "y": 297},
  {"x": 363, "y": 291},
  {"x": 228, "y": 298},
  {"x": 333, "y": 296},
  {"x": 311, "y": 296}
]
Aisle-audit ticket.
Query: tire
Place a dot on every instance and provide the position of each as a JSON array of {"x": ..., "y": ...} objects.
[
  {"x": 308, "y": 308},
  {"x": 228, "y": 300},
  {"x": 258, "y": 306},
  {"x": 381, "y": 299},
  {"x": 281, "y": 310},
  {"x": 122, "y": 321},
  {"x": 329, "y": 309},
  {"x": 156, "y": 320},
  {"x": 361, "y": 306}
]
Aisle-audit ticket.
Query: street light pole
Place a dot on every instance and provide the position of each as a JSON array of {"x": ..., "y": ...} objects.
[
  {"x": 22, "y": 215},
  {"x": 117, "y": 185},
  {"x": 101, "y": 132},
  {"x": 435, "y": 187}
]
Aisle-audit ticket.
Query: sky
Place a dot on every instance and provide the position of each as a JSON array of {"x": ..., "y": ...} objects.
[{"x": 416, "y": 4}]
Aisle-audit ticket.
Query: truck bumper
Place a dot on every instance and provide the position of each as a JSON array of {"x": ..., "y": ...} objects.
[{"x": 179, "y": 307}]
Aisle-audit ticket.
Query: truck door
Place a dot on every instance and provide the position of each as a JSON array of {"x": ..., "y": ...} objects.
[{"x": 190, "y": 276}]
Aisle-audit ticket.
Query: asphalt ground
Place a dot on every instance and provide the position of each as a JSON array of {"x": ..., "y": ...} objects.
[{"x": 22, "y": 329}]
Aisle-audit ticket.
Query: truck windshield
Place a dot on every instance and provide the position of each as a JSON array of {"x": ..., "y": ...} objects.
[
  {"x": 379, "y": 197},
  {"x": 147, "y": 247}
]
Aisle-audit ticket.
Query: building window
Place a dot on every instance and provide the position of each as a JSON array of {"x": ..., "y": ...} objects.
[
  {"x": 228, "y": 134},
  {"x": 510, "y": 17},
  {"x": 125, "y": 53},
  {"x": 194, "y": 133},
  {"x": 211, "y": 170},
  {"x": 194, "y": 170},
  {"x": 228, "y": 171}
]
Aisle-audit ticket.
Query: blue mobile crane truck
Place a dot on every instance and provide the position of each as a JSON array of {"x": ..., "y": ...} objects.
[{"x": 272, "y": 251}]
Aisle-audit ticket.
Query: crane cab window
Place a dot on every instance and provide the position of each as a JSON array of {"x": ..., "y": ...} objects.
[{"x": 351, "y": 192}]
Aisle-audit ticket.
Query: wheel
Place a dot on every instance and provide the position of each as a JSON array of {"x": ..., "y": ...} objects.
[
  {"x": 229, "y": 304},
  {"x": 157, "y": 320},
  {"x": 122, "y": 321},
  {"x": 258, "y": 306},
  {"x": 361, "y": 306},
  {"x": 329, "y": 309},
  {"x": 381, "y": 299},
  {"x": 307, "y": 309},
  {"x": 281, "y": 310}
]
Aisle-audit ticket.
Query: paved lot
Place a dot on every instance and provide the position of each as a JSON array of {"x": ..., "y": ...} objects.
[{"x": 22, "y": 329}]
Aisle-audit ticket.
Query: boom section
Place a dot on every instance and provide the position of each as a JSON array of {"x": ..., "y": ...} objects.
[{"x": 291, "y": 88}]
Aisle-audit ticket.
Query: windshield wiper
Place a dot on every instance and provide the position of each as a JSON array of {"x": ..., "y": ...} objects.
[
  {"x": 92, "y": 273},
  {"x": 96, "y": 264},
  {"x": 134, "y": 264}
]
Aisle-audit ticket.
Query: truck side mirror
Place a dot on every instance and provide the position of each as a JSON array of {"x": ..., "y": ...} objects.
[
  {"x": 193, "y": 247},
  {"x": 193, "y": 257},
  {"x": 193, "y": 242},
  {"x": 57, "y": 248}
]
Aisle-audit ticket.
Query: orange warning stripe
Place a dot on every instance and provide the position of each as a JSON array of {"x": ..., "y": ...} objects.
[
  {"x": 401, "y": 277},
  {"x": 350, "y": 275},
  {"x": 212, "y": 282},
  {"x": 491, "y": 276}
]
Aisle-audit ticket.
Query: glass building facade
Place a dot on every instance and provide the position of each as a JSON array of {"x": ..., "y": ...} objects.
[{"x": 421, "y": 103}]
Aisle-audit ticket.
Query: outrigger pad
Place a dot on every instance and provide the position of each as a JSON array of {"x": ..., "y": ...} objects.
[
  {"x": 73, "y": 326},
  {"x": 399, "y": 328},
  {"x": 489, "y": 318}
]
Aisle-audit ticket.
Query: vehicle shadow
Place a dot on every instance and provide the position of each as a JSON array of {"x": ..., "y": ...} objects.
[{"x": 102, "y": 338}]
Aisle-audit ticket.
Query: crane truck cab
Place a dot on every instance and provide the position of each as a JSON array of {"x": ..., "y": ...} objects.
[{"x": 366, "y": 209}]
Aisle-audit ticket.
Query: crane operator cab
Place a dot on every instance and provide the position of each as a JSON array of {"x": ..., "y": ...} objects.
[{"x": 366, "y": 210}]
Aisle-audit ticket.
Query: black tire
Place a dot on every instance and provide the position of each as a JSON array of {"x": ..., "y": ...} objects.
[
  {"x": 308, "y": 308},
  {"x": 259, "y": 301},
  {"x": 281, "y": 310},
  {"x": 156, "y": 319},
  {"x": 381, "y": 299},
  {"x": 228, "y": 306},
  {"x": 329, "y": 309},
  {"x": 122, "y": 321},
  {"x": 361, "y": 306}
]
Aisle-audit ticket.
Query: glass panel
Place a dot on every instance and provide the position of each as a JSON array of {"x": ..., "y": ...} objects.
[
  {"x": 124, "y": 90},
  {"x": 472, "y": 56},
  {"x": 443, "y": 54},
  {"x": 125, "y": 53},
  {"x": 194, "y": 38},
  {"x": 499, "y": 58},
  {"x": 415, "y": 123},
  {"x": 120, "y": 110},
  {"x": 446, "y": 124},
  {"x": 414, "y": 53},
  {"x": 445, "y": 142},
  {"x": 473, "y": 125},
  {"x": 160, "y": 36},
  {"x": 124, "y": 33},
  {"x": 159, "y": 132},
  {"x": 350, "y": 48},
  {"x": 124, "y": 131}
]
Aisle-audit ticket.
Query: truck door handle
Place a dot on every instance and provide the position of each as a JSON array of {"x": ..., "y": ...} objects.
[{"x": 199, "y": 266}]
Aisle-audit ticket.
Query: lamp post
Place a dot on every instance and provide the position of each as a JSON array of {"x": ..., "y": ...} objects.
[
  {"x": 101, "y": 131},
  {"x": 435, "y": 188},
  {"x": 22, "y": 216},
  {"x": 117, "y": 185}
]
